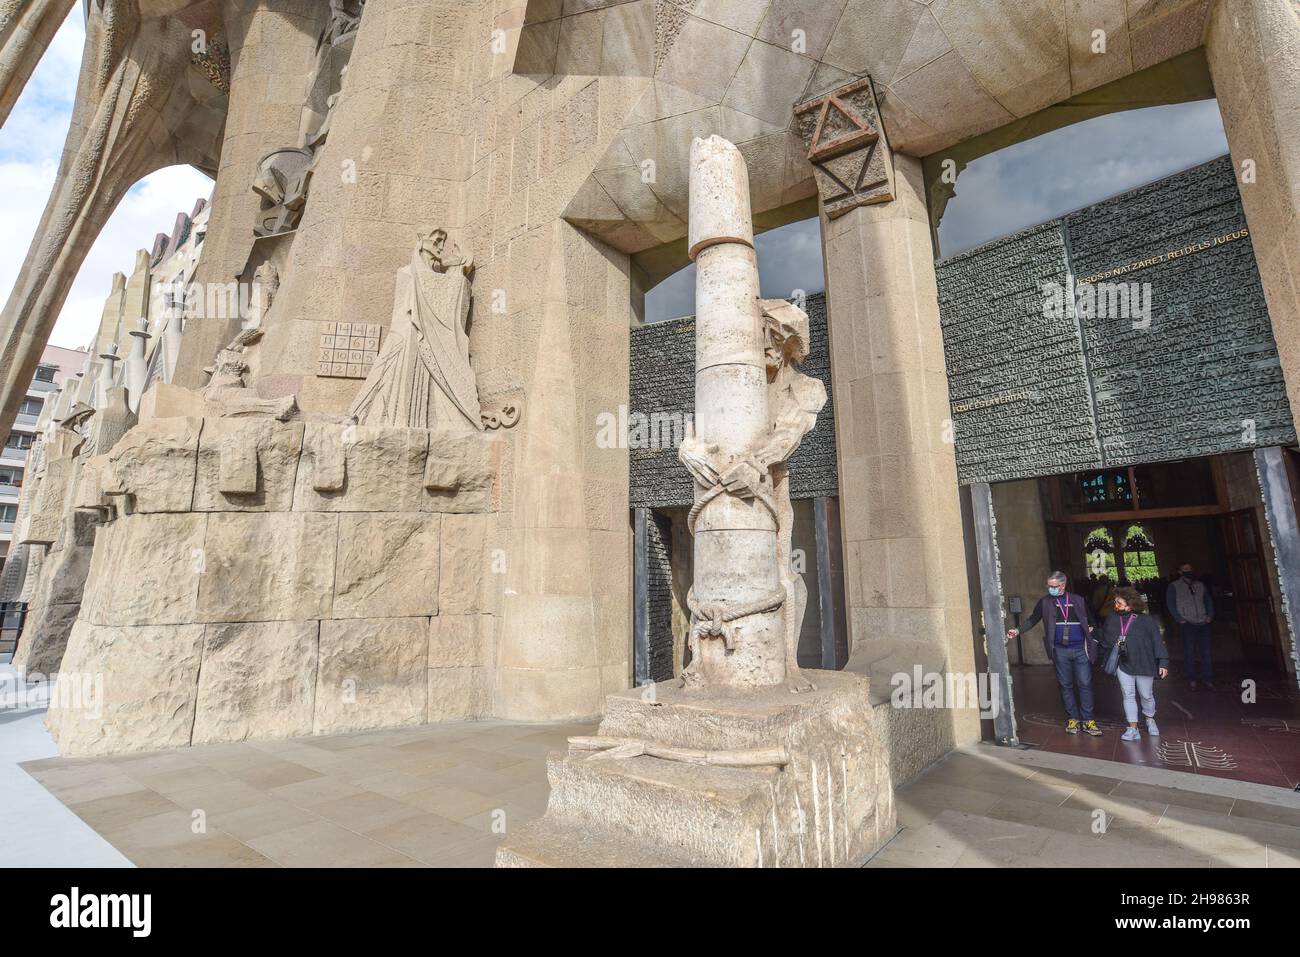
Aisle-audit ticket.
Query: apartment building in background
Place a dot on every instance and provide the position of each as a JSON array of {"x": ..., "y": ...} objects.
[{"x": 57, "y": 366}]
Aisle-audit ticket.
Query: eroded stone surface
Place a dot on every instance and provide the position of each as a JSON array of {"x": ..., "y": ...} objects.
[
  {"x": 387, "y": 565},
  {"x": 384, "y": 469},
  {"x": 145, "y": 570},
  {"x": 130, "y": 689},
  {"x": 258, "y": 680},
  {"x": 155, "y": 463},
  {"x": 267, "y": 567},
  {"x": 247, "y": 464},
  {"x": 372, "y": 674}
]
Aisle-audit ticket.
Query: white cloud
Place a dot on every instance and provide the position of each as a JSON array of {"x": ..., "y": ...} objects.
[{"x": 31, "y": 143}]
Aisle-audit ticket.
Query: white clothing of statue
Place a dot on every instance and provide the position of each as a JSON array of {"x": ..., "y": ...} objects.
[{"x": 422, "y": 378}]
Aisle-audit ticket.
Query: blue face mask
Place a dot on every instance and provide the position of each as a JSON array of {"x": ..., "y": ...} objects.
[{"x": 1054, "y": 591}]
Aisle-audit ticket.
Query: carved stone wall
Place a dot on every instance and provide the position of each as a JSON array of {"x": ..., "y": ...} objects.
[{"x": 334, "y": 591}]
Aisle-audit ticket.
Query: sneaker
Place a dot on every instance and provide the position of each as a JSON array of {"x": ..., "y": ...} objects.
[
  {"x": 1209, "y": 686},
  {"x": 1131, "y": 734},
  {"x": 1090, "y": 727},
  {"x": 1152, "y": 728},
  {"x": 1072, "y": 726},
  {"x": 1191, "y": 685}
]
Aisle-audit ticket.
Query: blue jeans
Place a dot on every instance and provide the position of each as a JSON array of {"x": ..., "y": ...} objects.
[
  {"x": 1196, "y": 651},
  {"x": 1074, "y": 671}
]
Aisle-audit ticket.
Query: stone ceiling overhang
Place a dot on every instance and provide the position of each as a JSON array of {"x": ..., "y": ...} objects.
[
  {"x": 944, "y": 72},
  {"x": 1181, "y": 80}
]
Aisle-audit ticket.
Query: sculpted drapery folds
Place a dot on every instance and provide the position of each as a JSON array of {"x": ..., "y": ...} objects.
[{"x": 423, "y": 377}]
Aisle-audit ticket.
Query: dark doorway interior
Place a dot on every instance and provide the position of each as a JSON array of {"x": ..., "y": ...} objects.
[{"x": 1136, "y": 526}]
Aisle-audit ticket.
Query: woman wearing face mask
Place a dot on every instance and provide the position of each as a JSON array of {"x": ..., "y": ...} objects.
[{"x": 1142, "y": 657}]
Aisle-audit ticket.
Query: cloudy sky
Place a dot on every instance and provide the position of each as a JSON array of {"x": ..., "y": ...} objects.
[
  {"x": 1003, "y": 192},
  {"x": 30, "y": 145}
]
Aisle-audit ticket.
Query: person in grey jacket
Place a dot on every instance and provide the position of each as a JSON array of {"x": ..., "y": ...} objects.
[
  {"x": 1190, "y": 603},
  {"x": 1142, "y": 658}
]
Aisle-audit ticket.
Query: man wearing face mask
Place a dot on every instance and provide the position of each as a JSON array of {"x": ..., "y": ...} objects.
[
  {"x": 1067, "y": 637},
  {"x": 1191, "y": 605}
]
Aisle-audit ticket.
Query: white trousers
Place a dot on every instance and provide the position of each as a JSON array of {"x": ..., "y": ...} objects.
[{"x": 1132, "y": 686}]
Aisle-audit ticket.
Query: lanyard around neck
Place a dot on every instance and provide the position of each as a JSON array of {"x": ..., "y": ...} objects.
[{"x": 1124, "y": 625}]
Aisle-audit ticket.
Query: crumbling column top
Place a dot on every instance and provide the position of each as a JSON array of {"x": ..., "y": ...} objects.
[{"x": 719, "y": 196}]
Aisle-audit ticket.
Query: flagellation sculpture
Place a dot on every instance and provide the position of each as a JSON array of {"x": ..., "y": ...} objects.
[{"x": 726, "y": 766}]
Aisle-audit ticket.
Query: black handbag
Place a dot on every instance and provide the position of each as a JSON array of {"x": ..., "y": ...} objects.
[{"x": 1111, "y": 666}]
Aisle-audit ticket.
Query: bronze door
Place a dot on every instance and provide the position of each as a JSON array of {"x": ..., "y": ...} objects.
[{"x": 1249, "y": 567}]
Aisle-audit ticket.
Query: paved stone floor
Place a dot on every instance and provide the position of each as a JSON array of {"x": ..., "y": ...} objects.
[
  {"x": 36, "y": 827},
  {"x": 430, "y": 795},
  {"x": 1212, "y": 733},
  {"x": 985, "y": 806}
]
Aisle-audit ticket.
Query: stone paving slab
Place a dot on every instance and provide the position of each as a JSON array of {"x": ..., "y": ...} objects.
[
  {"x": 984, "y": 806},
  {"x": 438, "y": 795}
]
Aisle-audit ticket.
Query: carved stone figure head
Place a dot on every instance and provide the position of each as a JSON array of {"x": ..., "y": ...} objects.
[
  {"x": 785, "y": 335},
  {"x": 270, "y": 185},
  {"x": 432, "y": 247}
]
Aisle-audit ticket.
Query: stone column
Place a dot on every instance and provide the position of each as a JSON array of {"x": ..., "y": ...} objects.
[
  {"x": 1253, "y": 48},
  {"x": 735, "y": 538},
  {"x": 107, "y": 371},
  {"x": 137, "y": 367},
  {"x": 904, "y": 549}
]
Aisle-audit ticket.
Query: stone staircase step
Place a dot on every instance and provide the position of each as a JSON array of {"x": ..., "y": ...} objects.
[
  {"x": 550, "y": 843},
  {"x": 692, "y": 812}
]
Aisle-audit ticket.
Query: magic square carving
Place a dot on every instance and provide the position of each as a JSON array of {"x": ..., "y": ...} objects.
[{"x": 347, "y": 349}]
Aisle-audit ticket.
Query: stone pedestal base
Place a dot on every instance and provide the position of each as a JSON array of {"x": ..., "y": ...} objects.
[{"x": 831, "y": 806}]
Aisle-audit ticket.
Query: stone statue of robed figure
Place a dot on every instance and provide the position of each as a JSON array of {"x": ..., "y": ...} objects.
[{"x": 423, "y": 377}]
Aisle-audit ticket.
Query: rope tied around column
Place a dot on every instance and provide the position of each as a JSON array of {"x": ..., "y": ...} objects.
[{"x": 717, "y": 620}]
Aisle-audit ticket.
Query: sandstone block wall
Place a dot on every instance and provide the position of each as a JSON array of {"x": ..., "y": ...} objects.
[{"x": 284, "y": 608}]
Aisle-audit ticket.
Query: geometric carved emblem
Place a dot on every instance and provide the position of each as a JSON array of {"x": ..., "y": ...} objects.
[
  {"x": 850, "y": 158},
  {"x": 347, "y": 349}
]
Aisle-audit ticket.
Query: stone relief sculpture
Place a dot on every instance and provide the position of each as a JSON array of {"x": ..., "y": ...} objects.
[
  {"x": 283, "y": 178},
  {"x": 794, "y": 401},
  {"x": 284, "y": 175},
  {"x": 753, "y": 407},
  {"x": 227, "y": 388},
  {"x": 266, "y": 283},
  {"x": 423, "y": 377},
  {"x": 345, "y": 17}
]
